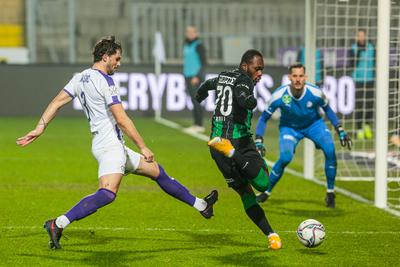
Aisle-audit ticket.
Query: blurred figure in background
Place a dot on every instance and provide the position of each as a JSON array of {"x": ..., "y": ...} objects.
[
  {"x": 362, "y": 61},
  {"x": 194, "y": 61}
]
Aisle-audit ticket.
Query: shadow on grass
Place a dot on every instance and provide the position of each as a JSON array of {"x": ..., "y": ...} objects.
[
  {"x": 89, "y": 248},
  {"x": 251, "y": 258},
  {"x": 258, "y": 257},
  {"x": 311, "y": 251},
  {"x": 302, "y": 208},
  {"x": 218, "y": 240}
]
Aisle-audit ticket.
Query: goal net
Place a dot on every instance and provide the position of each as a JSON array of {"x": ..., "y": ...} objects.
[{"x": 349, "y": 83}]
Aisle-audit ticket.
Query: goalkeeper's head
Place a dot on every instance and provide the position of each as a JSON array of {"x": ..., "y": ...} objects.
[{"x": 297, "y": 77}]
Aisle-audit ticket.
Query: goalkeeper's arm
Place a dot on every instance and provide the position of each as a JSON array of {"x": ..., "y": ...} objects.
[
  {"x": 260, "y": 130},
  {"x": 343, "y": 136}
]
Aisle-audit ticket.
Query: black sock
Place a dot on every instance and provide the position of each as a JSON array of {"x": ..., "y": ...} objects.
[{"x": 257, "y": 215}]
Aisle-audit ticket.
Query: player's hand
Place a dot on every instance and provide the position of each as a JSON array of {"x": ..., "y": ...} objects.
[
  {"x": 260, "y": 145},
  {"x": 30, "y": 137},
  {"x": 147, "y": 154},
  {"x": 344, "y": 137}
]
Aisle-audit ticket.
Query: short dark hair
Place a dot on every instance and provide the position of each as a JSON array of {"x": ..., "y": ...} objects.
[
  {"x": 296, "y": 65},
  {"x": 248, "y": 56},
  {"x": 106, "y": 45}
]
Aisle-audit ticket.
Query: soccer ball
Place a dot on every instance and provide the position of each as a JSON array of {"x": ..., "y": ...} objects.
[{"x": 311, "y": 233}]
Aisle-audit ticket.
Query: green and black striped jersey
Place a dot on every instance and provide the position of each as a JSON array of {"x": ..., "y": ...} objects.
[{"x": 234, "y": 103}]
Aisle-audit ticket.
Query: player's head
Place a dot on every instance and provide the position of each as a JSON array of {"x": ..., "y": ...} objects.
[
  {"x": 297, "y": 76},
  {"x": 108, "y": 51},
  {"x": 252, "y": 63},
  {"x": 191, "y": 32},
  {"x": 361, "y": 37}
]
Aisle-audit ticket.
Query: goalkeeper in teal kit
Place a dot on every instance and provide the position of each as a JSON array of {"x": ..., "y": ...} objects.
[{"x": 299, "y": 103}]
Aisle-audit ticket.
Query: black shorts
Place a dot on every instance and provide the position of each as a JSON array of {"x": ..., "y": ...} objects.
[{"x": 227, "y": 166}]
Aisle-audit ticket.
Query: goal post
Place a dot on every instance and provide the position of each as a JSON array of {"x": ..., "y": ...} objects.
[
  {"x": 382, "y": 103},
  {"x": 310, "y": 40},
  {"x": 369, "y": 109}
]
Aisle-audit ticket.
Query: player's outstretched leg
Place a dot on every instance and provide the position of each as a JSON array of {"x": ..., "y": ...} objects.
[
  {"x": 178, "y": 191},
  {"x": 82, "y": 209},
  {"x": 257, "y": 215}
]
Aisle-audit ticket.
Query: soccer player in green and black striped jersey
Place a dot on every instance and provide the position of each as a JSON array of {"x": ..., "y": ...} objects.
[{"x": 231, "y": 144}]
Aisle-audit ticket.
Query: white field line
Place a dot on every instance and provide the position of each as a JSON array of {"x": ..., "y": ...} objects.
[
  {"x": 132, "y": 229},
  {"x": 365, "y": 179},
  {"x": 345, "y": 192}
]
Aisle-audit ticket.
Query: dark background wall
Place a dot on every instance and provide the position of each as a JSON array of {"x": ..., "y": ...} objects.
[{"x": 25, "y": 90}]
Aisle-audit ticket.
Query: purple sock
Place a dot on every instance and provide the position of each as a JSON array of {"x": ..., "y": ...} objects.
[
  {"x": 90, "y": 204},
  {"x": 174, "y": 188}
]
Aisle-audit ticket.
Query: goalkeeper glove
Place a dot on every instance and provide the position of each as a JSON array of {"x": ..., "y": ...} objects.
[
  {"x": 344, "y": 138},
  {"x": 259, "y": 145}
]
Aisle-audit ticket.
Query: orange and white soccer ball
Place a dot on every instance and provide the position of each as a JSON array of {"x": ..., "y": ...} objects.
[{"x": 311, "y": 233}]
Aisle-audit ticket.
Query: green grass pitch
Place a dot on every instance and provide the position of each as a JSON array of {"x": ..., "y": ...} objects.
[{"x": 146, "y": 227}]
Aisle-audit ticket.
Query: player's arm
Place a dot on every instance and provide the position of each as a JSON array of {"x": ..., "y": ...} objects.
[
  {"x": 208, "y": 85},
  {"x": 262, "y": 123},
  {"x": 127, "y": 126},
  {"x": 244, "y": 94},
  {"x": 345, "y": 140},
  {"x": 260, "y": 129},
  {"x": 51, "y": 111}
]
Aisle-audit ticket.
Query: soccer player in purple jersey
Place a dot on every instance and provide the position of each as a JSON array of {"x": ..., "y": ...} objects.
[{"x": 101, "y": 103}]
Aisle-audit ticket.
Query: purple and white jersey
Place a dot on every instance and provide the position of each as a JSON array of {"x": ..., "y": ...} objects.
[{"x": 96, "y": 92}]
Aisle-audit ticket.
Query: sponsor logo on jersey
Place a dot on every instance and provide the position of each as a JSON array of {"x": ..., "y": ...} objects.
[
  {"x": 85, "y": 78},
  {"x": 113, "y": 90},
  {"x": 286, "y": 99}
]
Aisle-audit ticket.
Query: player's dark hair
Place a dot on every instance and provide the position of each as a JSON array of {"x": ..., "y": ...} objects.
[
  {"x": 107, "y": 45},
  {"x": 296, "y": 65},
  {"x": 248, "y": 56}
]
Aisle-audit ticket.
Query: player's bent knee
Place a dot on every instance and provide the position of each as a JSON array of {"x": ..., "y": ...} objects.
[
  {"x": 261, "y": 181},
  {"x": 151, "y": 170},
  {"x": 286, "y": 158},
  {"x": 249, "y": 200}
]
